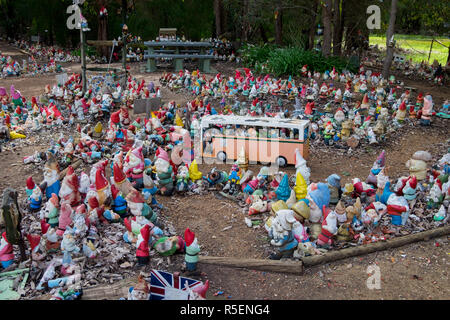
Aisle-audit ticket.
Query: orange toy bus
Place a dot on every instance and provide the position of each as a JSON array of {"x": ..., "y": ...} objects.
[{"x": 264, "y": 139}]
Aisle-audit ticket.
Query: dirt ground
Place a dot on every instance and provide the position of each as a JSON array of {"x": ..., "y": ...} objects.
[{"x": 416, "y": 271}]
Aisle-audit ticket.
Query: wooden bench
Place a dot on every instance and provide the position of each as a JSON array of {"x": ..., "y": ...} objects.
[
  {"x": 180, "y": 51},
  {"x": 178, "y": 60}
]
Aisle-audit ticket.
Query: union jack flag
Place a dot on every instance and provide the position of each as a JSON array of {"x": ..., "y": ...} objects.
[{"x": 167, "y": 286}]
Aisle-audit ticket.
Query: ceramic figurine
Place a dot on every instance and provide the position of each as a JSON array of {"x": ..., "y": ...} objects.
[
  {"x": 334, "y": 185},
  {"x": 167, "y": 246},
  {"x": 6, "y": 252},
  {"x": 68, "y": 247},
  {"x": 192, "y": 250},
  {"x": 119, "y": 203},
  {"x": 329, "y": 229},
  {"x": 142, "y": 247},
  {"x": 182, "y": 179},
  {"x": 427, "y": 111},
  {"x": 134, "y": 167},
  {"x": 281, "y": 234},
  {"x": 377, "y": 166},
  {"x": 283, "y": 191},
  {"x": 233, "y": 180},
  {"x": 164, "y": 172},
  {"x": 199, "y": 292},
  {"x": 35, "y": 199},
  {"x": 258, "y": 205},
  {"x": 69, "y": 188},
  {"x": 52, "y": 211},
  {"x": 301, "y": 211},
  {"x": 138, "y": 206},
  {"x": 300, "y": 166},
  {"x": 417, "y": 165},
  {"x": 406, "y": 187},
  {"x": 141, "y": 291},
  {"x": 434, "y": 197},
  {"x": 37, "y": 252},
  {"x": 341, "y": 213},
  {"x": 51, "y": 176},
  {"x": 103, "y": 189},
  {"x": 398, "y": 209},
  {"x": 120, "y": 180},
  {"x": 64, "y": 218},
  {"x": 440, "y": 214},
  {"x": 242, "y": 160},
  {"x": 401, "y": 112}
]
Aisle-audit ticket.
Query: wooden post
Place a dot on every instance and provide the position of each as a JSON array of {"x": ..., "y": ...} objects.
[
  {"x": 431, "y": 49},
  {"x": 373, "y": 247},
  {"x": 83, "y": 60},
  {"x": 390, "y": 45},
  {"x": 288, "y": 266}
]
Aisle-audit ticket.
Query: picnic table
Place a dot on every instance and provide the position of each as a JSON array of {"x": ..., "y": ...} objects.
[{"x": 178, "y": 51}]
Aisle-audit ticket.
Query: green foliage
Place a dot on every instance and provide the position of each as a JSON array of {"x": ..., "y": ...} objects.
[{"x": 289, "y": 61}]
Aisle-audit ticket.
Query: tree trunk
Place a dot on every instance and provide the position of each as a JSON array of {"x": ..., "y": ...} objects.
[
  {"x": 102, "y": 30},
  {"x": 326, "y": 20},
  {"x": 337, "y": 31},
  {"x": 245, "y": 22},
  {"x": 218, "y": 15},
  {"x": 279, "y": 24},
  {"x": 263, "y": 33},
  {"x": 389, "y": 44},
  {"x": 312, "y": 29}
]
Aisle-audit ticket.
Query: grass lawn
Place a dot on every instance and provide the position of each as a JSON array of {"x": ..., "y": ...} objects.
[{"x": 419, "y": 46}]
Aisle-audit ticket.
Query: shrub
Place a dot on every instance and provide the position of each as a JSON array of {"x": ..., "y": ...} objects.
[{"x": 289, "y": 61}]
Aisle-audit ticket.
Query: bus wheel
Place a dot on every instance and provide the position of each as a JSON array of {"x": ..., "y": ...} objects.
[
  {"x": 222, "y": 156},
  {"x": 281, "y": 161}
]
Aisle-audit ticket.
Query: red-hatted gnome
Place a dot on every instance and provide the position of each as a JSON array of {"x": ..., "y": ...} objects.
[
  {"x": 69, "y": 191},
  {"x": 142, "y": 248}
]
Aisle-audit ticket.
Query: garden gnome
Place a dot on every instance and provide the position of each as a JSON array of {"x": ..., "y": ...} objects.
[
  {"x": 35, "y": 200},
  {"x": 6, "y": 252},
  {"x": 377, "y": 166},
  {"x": 164, "y": 172},
  {"x": 281, "y": 234},
  {"x": 341, "y": 214},
  {"x": 194, "y": 174},
  {"x": 242, "y": 160},
  {"x": 301, "y": 211},
  {"x": 329, "y": 229},
  {"x": 300, "y": 166},
  {"x": 69, "y": 188},
  {"x": 52, "y": 211},
  {"x": 138, "y": 206},
  {"x": 427, "y": 111},
  {"x": 199, "y": 292},
  {"x": 64, "y": 218},
  {"x": 300, "y": 187},
  {"x": 334, "y": 185},
  {"x": 398, "y": 209},
  {"x": 30, "y": 186},
  {"x": 103, "y": 188},
  {"x": 257, "y": 205},
  {"x": 120, "y": 180},
  {"x": 37, "y": 254},
  {"x": 440, "y": 214},
  {"x": 192, "y": 250},
  {"x": 68, "y": 247},
  {"x": 167, "y": 246},
  {"x": 51, "y": 176},
  {"x": 283, "y": 191},
  {"x": 401, "y": 112},
  {"x": 119, "y": 203},
  {"x": 407, "y": 187},
  {"x": 142, "y": 248},
  {"x": 134, "y": 167},
  {"x": 417, "y": 164},
  {"x": 182, "y": 178},
  {"x": 141, "y": 291},
  {"x": 319, "y": 198}
]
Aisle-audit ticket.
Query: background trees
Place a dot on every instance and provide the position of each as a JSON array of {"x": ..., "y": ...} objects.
[{"x": 282, "y": 22}]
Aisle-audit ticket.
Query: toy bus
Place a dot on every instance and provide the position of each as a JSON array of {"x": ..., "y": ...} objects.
[{"x": 264, "y": 139}]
